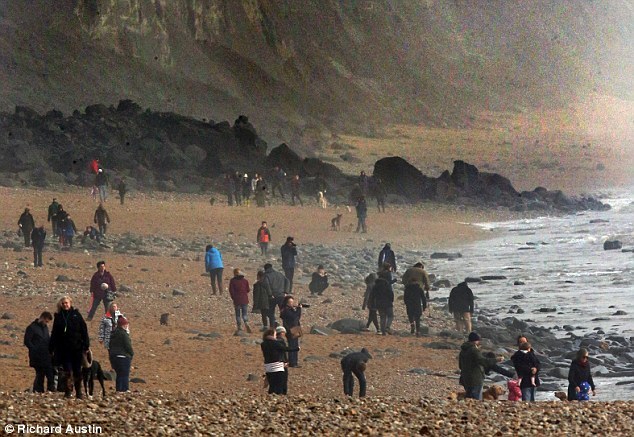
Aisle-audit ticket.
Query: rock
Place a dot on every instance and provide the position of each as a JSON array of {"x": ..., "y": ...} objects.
[
  {"x": 493, "y": 278},
  {"x": 22, "y": 273},
  {"x": 444, "y": 255},
  {"x": 7, "y": 316},
  {"x": 442, "y": 345},
  {"x": 519, "y": 283},
  {"x": 325, "y": 301},
  {"x": 442, "y": 283},
  {"x": 418, "y": 371},
  {"x": 313, "y": 359},
  {"x": 317, "y": 330},
  {"x": 62, "y": 278},
  {"x": 472, "y": 280},
  {"x": 167, "y": 342},
  {"x": 252, "y": 377},
  {"x": 348, "y": 325},
  {"x": 124, "y": 289},
  {"x": 137, "y": 380},
  {"x": 558, "y": 372},
  {"x": 547, "y": 310},
  {"x": 599, "y": 221},
  {"x": 612, "y": 245},
  {"x": 620, "y": 313},
  {"x": 177, "y": 292},
  {"x": 518, "y": 297}
]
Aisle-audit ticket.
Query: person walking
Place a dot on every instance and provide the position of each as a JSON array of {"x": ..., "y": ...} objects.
[
  {"x": 527, "y": 368},
  {"x": 264, "y": 238},
  {"x": 291, "y": 314},
  {"x": 355, "y": 364},
  {"x": 215, "y": 267},
  {"x": 121, "y": 354},
  {"x": 245, "y": 186},
  {"x": 108, "y": 324},
  {"x": 37, "y": 339},
  {"x": 239, "y": 291},
  {"x": 26, "y": 223},
  {"x": 260, "y": 192},
  {"x": 289, "y": 258},
  {"x": 52, "y": 215},
  {"x": 472, "y": 364},
  {"x": 273, "y": 352},
  {"x": 579, "y": 374},
  {"x": 296, "y": 187},
  {"x": 368, "y": 302},
  {"x": 230, "y": 188},
  {"x": 319, "y": 281},
  {"x": 279, "y": 286},
  {"x": 362, "y": 214},
  {"x": 102, "y": 288},
  {"x": 60, "y": 220},
  {"x": 101, "y": 181},
  {"x": 101, "y": 219},
  {"x": 122, "y": 188},
  {"x": 417, "y": 274},
  {"x": 415, "y": 303},
  {"x": 280, "y": 335},
  {"x": 69, "y": 230},
  {"x": 263, "y": 300},
  {"x": 69, "y": 341},
  {"x": 382, "y": 298},
  {"x": 386, "y": 255},
  {"x": 461, "y": 305},
  {"x": 38, "y": 238}
]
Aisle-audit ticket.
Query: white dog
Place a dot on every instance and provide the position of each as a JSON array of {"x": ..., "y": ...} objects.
[{"x": 321, "y": 198}]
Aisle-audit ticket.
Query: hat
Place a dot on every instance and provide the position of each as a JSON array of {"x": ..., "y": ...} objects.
[
  {"x": 280, "y": 329},
  {"x": 474, "y": 336},
  {"x": 122, "y": 321}
]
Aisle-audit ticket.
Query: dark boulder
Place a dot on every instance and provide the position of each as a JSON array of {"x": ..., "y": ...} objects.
[
  {"x": 612, "y": 245},
  {"x": 401, "y": 178}
]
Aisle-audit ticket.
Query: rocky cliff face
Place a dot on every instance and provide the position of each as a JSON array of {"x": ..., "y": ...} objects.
[{"x": 342, "y": 64}]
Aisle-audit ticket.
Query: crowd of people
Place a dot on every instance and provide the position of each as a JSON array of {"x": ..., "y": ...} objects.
[{"x": 58, "y": 356}]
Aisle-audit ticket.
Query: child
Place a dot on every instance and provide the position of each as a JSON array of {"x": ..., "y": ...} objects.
[{"x": 515, "y": 393}]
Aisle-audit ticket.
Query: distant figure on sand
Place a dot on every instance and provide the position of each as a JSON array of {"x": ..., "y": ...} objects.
[
  {"x": 101, "y": 219},
  {"x": 368, "y": 302},
  {"x": 263, "y": 238},
  {"x": 52, "y": 215},
  {"x": 289, "y": 258},
  {"x": 415, "y": 303},
  {"x": 387, "y": 255},
  {"x": 101, "y": 181},
  {"x": 362, "y": 214},
  {"x": 98, "y": 291},
  {"x": 38, "y": 238},
  {"x": 26, "y": 225},
  {"x": 70, "y": 230},
  {"x": 355, "y": 364},
  {"x": 527, "y": 367},
  {"x": 279, "y": 286},
  {"x": 36, "y": 339},
  {"x": 417, "y": 274},
  {"x": 382, "y": 298},
  {"x": 239, "y": 291},
  {"x": 461, "y": 305},
  {"x": 108, "y": 324},
  {"x": 378, "y": 191},
  {"x": 263, "y": 300},
  {"x": 260, "y": 192},
  {"x": 319, "y": 281},
  {"x": 291, "y": 315},
  {"x": 215, "y": 267},
  {"x": 296, "y": 186},
  {"x": 123, "y": 189},
  {"x": 121, "y": 354}
]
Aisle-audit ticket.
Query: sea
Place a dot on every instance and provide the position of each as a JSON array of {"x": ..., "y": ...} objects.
[{"x": 559, "y": 274}]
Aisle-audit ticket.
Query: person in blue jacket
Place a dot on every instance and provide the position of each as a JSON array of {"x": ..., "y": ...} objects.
[{"x": 214, "y": 266}]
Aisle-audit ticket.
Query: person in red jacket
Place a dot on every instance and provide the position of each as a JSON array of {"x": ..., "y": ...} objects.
[
  {"x": 100, "y": 292},
  {"x": 239, "y": 291}
]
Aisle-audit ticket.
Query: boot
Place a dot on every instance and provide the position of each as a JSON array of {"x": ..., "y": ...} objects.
[
  {"x": 78, "y": 391},
  {"x": 69, "y": 385}
]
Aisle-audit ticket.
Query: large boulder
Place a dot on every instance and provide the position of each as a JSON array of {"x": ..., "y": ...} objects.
[
  {"x": 348, "y": 325},
  {"x": 612, "y": 245},
  {"x": 401, "y": 178}
]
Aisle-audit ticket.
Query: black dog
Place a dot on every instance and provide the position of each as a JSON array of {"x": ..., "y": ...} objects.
[{"x": 89, "y": 374}]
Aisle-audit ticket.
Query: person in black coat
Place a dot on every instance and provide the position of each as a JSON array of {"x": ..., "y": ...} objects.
[
  {"x": 382, "y": 298},
  {"x": 415, "y": 303},
  {"x": 579, "y": 372},
  {"x": 274, "y": 355},
  {"x": 26, "y": 224},
  {"x": 289, "y": 255},
  {"x": 461, "y": 305},
  {"x": 38, "y": 237},
  {"x": 291, "y": 315},
  {"x": 36, "y": 339},
  {"x": 318, "y": 281},
  {"x": 355, "y": 364},
  {"x": 527, "y": 367},
  {"x": 69, "y": 340},
  {"x": 386, "y": 255}
]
